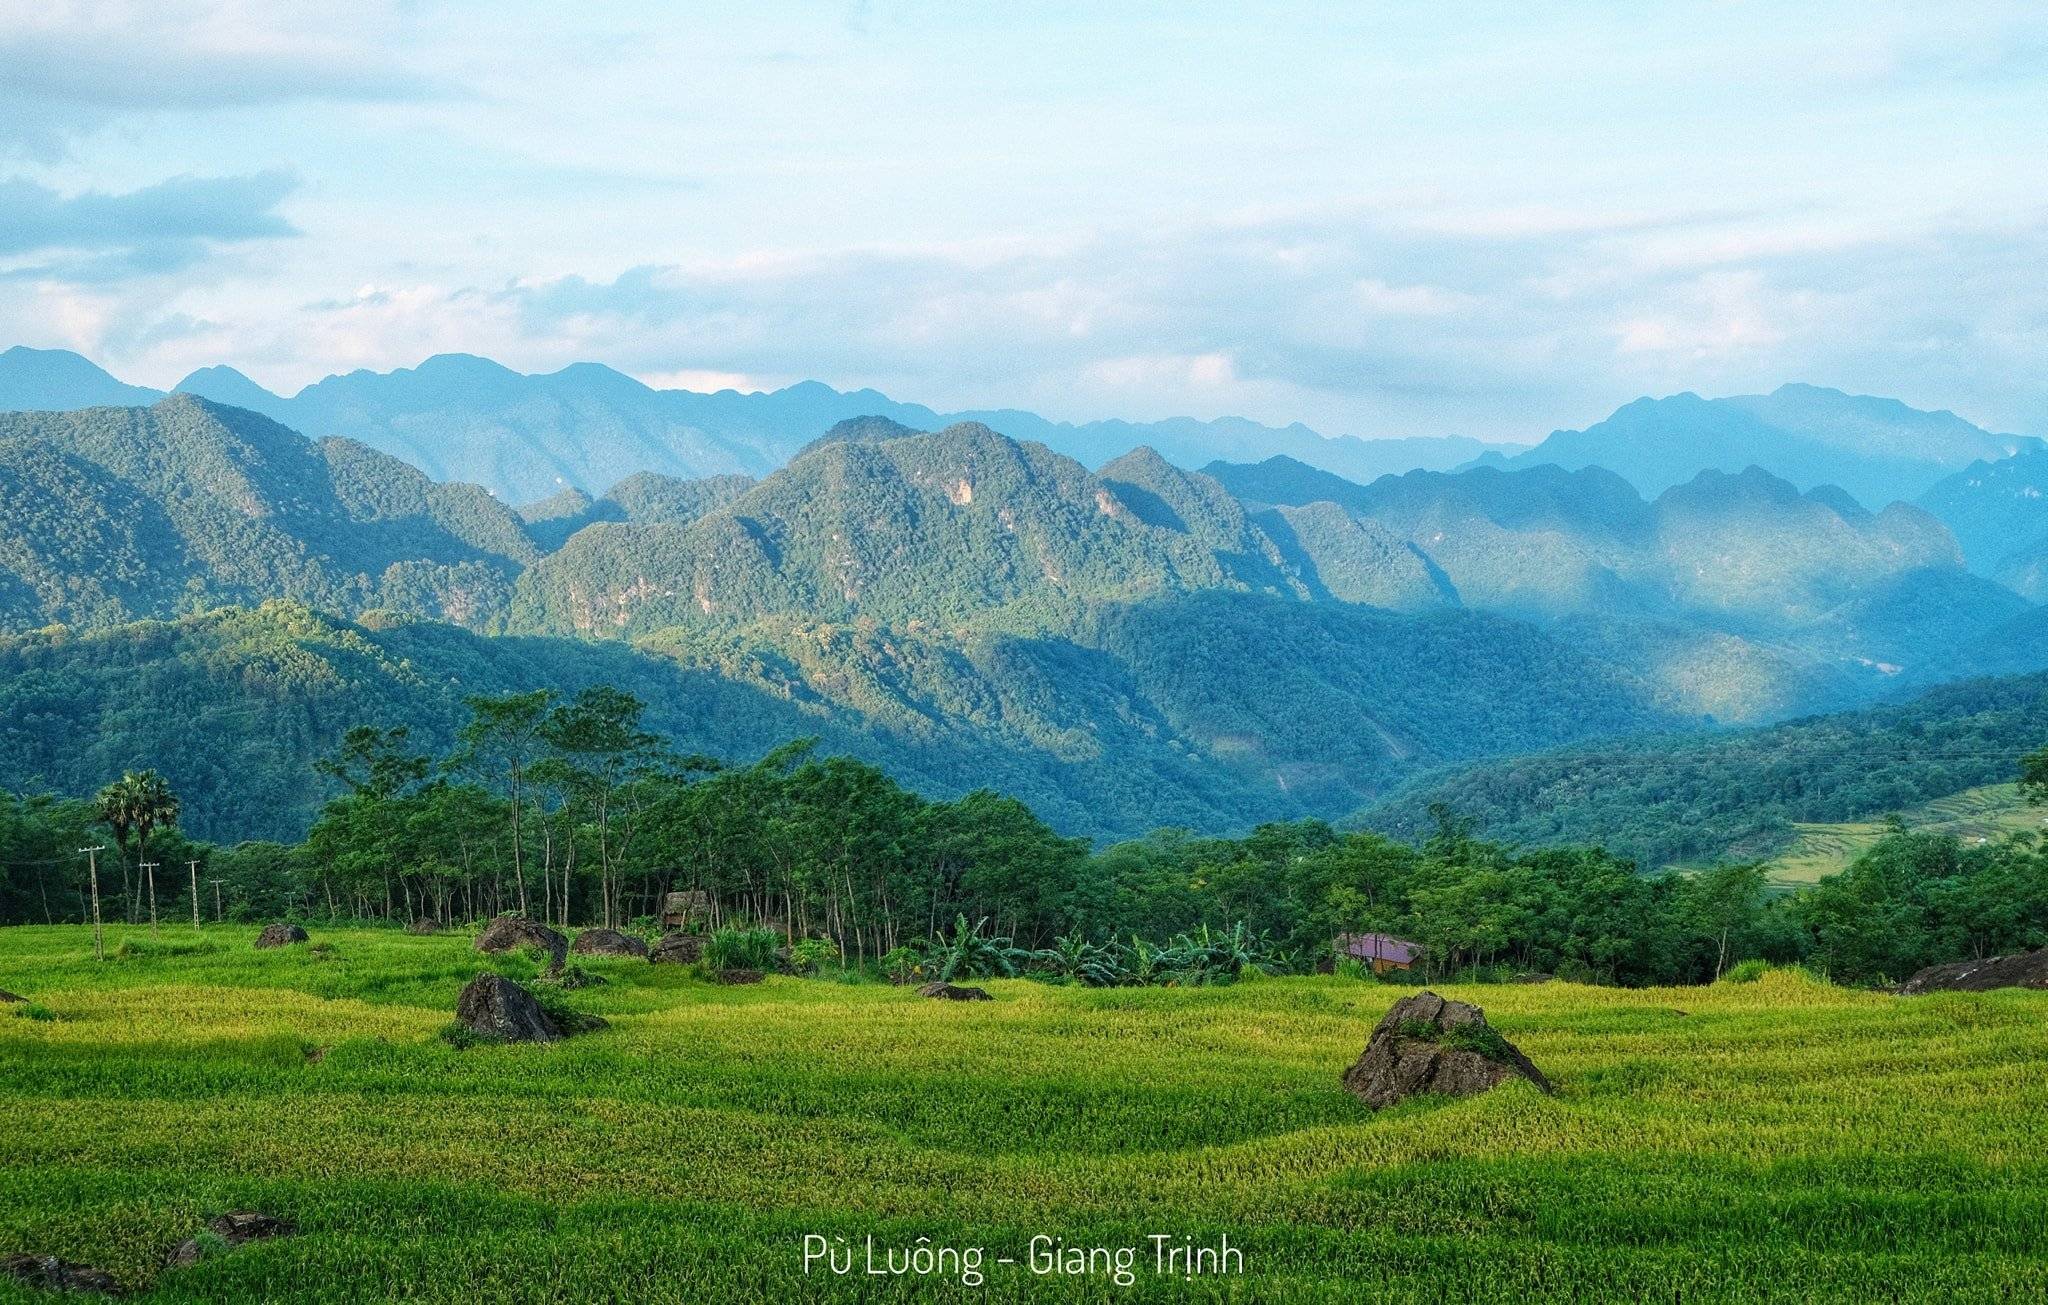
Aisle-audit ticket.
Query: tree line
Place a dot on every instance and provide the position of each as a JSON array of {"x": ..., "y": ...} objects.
[{"x": 568, "y": 811}]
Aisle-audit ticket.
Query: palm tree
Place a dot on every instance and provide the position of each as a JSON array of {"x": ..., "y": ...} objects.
[{"x": 135, "y": 806}]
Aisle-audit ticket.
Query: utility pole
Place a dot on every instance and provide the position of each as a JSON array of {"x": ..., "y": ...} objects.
[
  {"x": 92, "y": 854},
  {"x": 148, "y": 869},
  {"x": 216, "y": 898},
  {"x": 193, "y": 866}
]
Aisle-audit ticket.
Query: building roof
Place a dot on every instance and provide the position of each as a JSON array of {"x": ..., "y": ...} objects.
[{"x": 1378, "y": 947}]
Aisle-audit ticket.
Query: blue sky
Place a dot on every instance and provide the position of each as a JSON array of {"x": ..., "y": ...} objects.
[{"x": 1380, "y": 219}]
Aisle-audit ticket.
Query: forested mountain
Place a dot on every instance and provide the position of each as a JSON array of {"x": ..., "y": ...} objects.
[
  {"x": 1213, "y": 712},
  {"x": 107, "y": 514},
  {"x": 1739, "y": 596},
  {"x": 462, "y": 418},
  {"x": 1999, "y": 513},
  {"x": 1877, "y": 449},
  {"x": 1666, "y": 799},
  {"x": 647, "y": 497}
]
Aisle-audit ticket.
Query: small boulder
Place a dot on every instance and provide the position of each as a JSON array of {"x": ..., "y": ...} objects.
[
  {"x": 2020, "y": 970},
  {"x": 280, "y": 935},
  {"x": 495, "y": 1007},
  {"x": 6, "y": 996},
  {"x": 421, "y": 927},
  {"x": 48, "y": 1273},
  {"x": 608, "y": 942},
  {"x": 734, "y": 977},
  {"x": 678, "y": 949},
  {"x": 948, "y": 992},
  {"x": 509, "y": 933},
  {"x": 1427, "y": 1044},
  {"x": 234, "y": 1228}
]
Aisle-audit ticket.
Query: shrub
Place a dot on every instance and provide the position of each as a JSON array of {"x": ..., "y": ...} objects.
[
  {"x": 811, "y": 954},
  {"x": 903, "y": 965},
  {"x": 1746, "y": 972},
  {"x": 737, "y": 948}
]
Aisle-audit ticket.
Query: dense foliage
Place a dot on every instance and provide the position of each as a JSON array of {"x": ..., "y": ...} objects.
[
  {"x": 567, "y": 810},
  {"x": 1677, "y": 799},
  {"x": 116, "y": 513}
]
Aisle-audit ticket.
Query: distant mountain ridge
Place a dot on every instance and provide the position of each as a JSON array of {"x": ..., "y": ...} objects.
[
  {"x": 1999, "y": 513},
  {"x": 1879, "y": 450},
  {"x": 525, "y": 437}
]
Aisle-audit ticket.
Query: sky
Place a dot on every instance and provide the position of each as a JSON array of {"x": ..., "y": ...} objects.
[{"x": 1380, "y": 219}]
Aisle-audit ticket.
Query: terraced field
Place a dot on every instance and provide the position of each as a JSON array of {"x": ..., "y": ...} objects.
[
  {"x": 1777, "y": 1140},
  {"x": 1991, "y": 812}
]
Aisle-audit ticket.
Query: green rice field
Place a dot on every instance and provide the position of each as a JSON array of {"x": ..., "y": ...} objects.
[
  {"x": 1987, "y": 813},
  {"x": 1777, "y": 1140}
]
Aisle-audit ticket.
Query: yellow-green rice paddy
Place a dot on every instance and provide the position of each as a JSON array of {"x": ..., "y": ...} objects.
[{"x": 1776, "y": 1140}]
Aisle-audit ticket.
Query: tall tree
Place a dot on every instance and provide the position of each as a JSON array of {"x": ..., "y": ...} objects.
[
  {"x": 504, "y": 738},
  {"x": 599, "y": 736},
  {"x": 2034, "y": 776},
  {"x": 134, "y": 807}
]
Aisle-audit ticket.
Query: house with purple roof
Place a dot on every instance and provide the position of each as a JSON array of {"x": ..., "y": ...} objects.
[{"x": 1382, "y": 951}]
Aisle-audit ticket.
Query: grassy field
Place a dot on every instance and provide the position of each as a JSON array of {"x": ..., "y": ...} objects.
[
  {"x": 1775, "y": 1140},
  {"x": 1819, "y": 850}
]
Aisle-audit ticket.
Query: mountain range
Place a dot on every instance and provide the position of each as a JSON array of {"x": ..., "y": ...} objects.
[
  {"x": 1122, "y": 646},
  {"x": 586, "y": 427},
  {"x": 1876, "y": 449}
]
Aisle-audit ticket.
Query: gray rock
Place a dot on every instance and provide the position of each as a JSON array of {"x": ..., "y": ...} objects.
[
  {"x": 234, "y": 1228},
  {"x": 280, "y": 935},
  {"x": 731, "y": 977},
  {"x": 947, "y": 992},
  {"x": 678, "y": 949},
  {"x": 6, "y": 996},
  {"x": 509, "y": 933},
  {"x": 495, "y": 1007},
  {"x": 2020, "y": 970},
  {"x": 421, "y": 927},
  {"x": 49, "y": 1273},
  {"x": 1427, "y": 1044},
  {"x": 608, "y": 942}
]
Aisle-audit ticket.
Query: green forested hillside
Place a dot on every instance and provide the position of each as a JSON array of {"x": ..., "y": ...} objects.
[
  {"x": 115, "y": 513},
  {"x": 1671, "y": 799},
  {"x": 1207, "y": 713},
  {"x": 1736, "y": 595}
]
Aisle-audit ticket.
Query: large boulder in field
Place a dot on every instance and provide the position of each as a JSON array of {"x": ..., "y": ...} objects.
[
  {"x": 495, "y": 1007},
  {"x": 2020, "y": 970},
  {"x": 48, "y": 1273},
  {"x": 608, "y": 942},
  {"x": 1427, "y": 1044},
  {"x": 508, "y": 933},
  {"x": 678, "y": 949},
  {"x": 232, "y": 1229},
  {"x": 947, "y": 992},
  {"x": 421, "y": 927},
  {"x": 280, "y": 935}
]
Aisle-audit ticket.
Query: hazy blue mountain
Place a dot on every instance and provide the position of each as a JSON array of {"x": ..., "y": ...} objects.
[
  {"x": 1738, "y": 595},
  {"x": 225, "y": 385},
  {"x": 1879, "y": 450},
  {"x": 1999, "y": 513},
  {"x": 55, "y": 380},
  {"x": 462, "y": 418}
]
